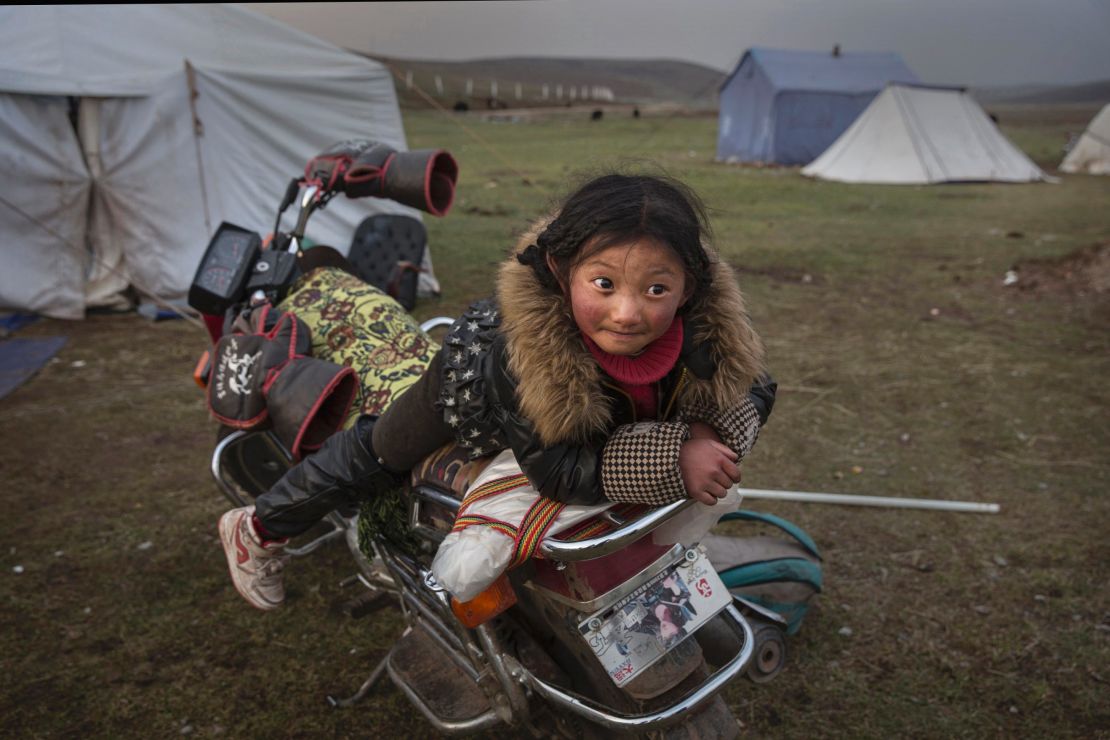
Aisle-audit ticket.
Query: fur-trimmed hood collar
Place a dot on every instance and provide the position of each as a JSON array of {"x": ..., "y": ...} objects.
[{"x": 559, "y": 383}]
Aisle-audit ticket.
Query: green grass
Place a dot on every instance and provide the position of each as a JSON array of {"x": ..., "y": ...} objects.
[{"x": 900, "y": 356}]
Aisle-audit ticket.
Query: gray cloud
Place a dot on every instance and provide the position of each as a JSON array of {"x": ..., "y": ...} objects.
[{"x": 976, "y": 42}]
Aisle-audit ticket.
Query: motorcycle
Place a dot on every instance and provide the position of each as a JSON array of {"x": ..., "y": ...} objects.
[{"x": 610, "y": 628}]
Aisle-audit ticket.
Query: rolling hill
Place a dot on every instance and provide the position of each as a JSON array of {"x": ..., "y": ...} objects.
[
  {"x": 536, "y": 81},
  {"x": 519, "y": 82},
  {"x": 1091, "y": 92}
]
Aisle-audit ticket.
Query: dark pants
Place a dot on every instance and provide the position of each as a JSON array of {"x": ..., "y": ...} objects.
[{"x": 354, "y": 464}]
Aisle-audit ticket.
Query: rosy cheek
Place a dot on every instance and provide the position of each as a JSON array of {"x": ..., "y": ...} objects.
[
  {"x": 587, "y": 317},
  {"x": 661, "y": 317},
  {"x": 586, "y": 313}
]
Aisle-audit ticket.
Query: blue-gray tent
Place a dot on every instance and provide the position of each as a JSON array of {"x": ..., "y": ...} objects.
[{"x": 787, "y": 107}]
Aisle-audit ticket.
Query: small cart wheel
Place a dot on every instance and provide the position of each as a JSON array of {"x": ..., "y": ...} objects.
[{"x": 769, "y": 655}]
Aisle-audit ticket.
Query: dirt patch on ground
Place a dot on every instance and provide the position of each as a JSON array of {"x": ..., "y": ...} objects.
[{"x": 1084, "y": 273}]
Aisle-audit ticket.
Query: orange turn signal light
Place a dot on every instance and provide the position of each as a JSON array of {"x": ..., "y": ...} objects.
[
  {"x": 200, "y": 372},
  {"x": 486, "y": 605}
]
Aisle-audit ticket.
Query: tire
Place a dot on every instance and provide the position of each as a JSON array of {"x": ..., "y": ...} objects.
[{"x": 769, "y": 655}]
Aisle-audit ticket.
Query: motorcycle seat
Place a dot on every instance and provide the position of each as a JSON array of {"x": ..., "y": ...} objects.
[
  {"x": 387, "y": 251},
  {"x": 449, "y": 470}
]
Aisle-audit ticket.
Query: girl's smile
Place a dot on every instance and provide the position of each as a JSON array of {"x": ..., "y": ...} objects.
[{"x": 626, "y": 296}]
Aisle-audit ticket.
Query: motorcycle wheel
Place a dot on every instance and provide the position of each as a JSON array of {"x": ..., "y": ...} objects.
[{"x": 769, "y": 656}]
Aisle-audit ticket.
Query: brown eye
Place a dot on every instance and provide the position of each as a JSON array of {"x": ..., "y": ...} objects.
[{"x": 604, "y": 283}]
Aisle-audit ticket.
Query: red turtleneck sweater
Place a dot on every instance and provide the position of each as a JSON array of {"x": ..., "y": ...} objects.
[{"x": 637, "y": 375}]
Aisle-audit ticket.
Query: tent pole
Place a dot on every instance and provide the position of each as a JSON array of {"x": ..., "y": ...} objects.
[
  {"x": 198, "y": 131},
  {"x": 884, "y": 501}
]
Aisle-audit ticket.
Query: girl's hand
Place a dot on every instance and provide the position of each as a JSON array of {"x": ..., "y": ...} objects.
[{"x": 708, "y": 469}]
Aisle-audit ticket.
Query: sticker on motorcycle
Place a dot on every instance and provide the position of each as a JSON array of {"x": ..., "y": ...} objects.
[{"x": 631, "y": 635}]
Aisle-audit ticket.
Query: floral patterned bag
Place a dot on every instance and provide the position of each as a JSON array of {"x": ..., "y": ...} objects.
[{"x": 357, "y": 325}]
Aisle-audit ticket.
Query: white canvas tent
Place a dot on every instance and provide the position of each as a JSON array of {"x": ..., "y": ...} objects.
[
  {"x": 129, "y": 132},
  {"x": 916, "y": 134},
  {"x": 1091, "y": 154}
]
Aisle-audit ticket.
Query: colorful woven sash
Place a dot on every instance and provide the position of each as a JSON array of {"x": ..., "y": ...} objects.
[
  {"x": 533, "y": 527},
  {"x": 492, "y": 488}
]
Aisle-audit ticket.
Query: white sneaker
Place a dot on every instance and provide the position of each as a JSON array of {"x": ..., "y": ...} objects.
[{"x": 256, "y": 567}]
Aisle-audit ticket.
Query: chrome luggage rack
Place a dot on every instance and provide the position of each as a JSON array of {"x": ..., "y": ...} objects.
[{"x": 480, "y": 652}]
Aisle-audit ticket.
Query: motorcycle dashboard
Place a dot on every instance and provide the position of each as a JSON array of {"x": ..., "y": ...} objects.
[{"x": 222, "y": 275}]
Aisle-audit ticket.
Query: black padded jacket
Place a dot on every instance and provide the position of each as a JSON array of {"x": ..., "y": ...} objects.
[{"x": 469, "y": 396}]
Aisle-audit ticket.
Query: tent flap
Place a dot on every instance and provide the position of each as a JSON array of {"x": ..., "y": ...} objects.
[{"x": 43, "y": 208}]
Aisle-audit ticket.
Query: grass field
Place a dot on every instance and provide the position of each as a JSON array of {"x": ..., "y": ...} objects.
[{"x": 905, "y": 369}]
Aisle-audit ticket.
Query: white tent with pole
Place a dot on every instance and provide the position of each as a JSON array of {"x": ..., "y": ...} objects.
[
  {"x": 129, "y": 132},
  {"x": 1091, "y": 154},
  {"x": 917, "y": 134}
]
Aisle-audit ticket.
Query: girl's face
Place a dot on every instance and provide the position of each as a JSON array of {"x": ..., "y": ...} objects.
[{"x": 626, "y": 296}]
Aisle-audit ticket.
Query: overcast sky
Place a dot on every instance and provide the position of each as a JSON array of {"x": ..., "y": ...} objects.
[{"x": 968, "y": 42}]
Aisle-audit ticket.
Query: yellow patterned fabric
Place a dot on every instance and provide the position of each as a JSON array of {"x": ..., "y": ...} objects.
[{"x": 357, "y": 325}]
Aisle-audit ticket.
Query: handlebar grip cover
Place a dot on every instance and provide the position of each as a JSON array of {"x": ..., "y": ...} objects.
[{"x": 423, "y": 179}]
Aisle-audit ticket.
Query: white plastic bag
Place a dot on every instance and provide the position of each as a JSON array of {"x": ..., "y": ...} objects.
[{"x": 470, "y": 560}]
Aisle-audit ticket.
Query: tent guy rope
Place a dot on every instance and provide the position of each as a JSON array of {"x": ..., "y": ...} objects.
[
  {"x": 188, "y": 316},
  {"x": 469, "y": 132}
]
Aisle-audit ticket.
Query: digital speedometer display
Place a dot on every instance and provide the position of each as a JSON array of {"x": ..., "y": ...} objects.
[
  {"x": 222, "y": 275},
  {"x": 216, "y": 278}
]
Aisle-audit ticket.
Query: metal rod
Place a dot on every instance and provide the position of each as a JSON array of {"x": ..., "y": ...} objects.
[
  {"x": 610, "y": 542},
  {"x": 371, "y": 576},
  {"x": 363, "y": 690},
  {"x": 482, "y": 721},
  {"x": 411, "y": 589},
  {"x": 315, "y": 544},
  {"x": 425, "y": 493},
  {"x": 441, "y": 604},
  {"x": 514, "y": 690},
  {"x": 563, "y": 700},
  {"x": 435, "y": 323},
  {"x": 887, "y": 501},
  {"x": 435, "y": 630},
  {"x": 216, "y": 464}
]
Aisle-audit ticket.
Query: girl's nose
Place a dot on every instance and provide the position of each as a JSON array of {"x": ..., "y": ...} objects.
[{"x": 626, "y": 310}]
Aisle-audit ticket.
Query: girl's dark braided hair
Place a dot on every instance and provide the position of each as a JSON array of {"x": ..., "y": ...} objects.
[{"x": 615, "y": 209}]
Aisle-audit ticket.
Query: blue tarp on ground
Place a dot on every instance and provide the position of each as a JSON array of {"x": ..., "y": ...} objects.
[
  {"x": 11, "y": 323},
  {"x": 787, "y": 107},
  {"x": 22, "y": 358}
]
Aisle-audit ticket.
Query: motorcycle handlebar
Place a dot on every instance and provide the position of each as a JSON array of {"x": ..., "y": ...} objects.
[{"x": 423, "y": 179}]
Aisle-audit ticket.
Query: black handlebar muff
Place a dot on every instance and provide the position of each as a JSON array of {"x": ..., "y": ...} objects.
[{"x": 423, "y": 179}]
